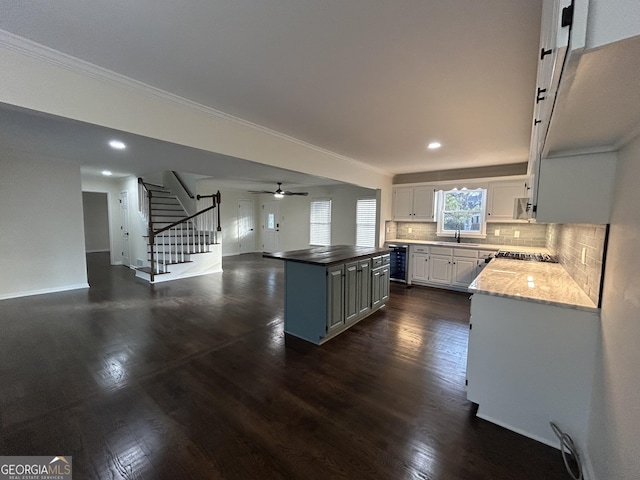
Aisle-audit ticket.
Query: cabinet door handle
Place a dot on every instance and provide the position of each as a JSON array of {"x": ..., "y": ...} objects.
[
  {"x": 544, "y": 53},
  {"x": 540, "y": 92}
]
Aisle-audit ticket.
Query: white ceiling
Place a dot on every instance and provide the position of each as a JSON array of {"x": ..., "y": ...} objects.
[{"x": 374, "y": 81}]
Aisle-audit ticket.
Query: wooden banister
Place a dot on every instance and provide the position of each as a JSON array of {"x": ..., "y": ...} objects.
[{"x": 197, "y": 238}]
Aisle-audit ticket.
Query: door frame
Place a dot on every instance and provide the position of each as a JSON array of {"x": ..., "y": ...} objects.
[{"x": 277, "y": 224}]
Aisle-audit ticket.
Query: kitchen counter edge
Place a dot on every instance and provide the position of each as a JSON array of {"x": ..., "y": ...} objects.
[
  {"x": 515, "y": 289},
  {"x": 327, "y": 256}
]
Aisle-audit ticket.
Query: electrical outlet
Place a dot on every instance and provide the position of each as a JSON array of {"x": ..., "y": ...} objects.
[
  {"x": 410, "y": 230},
  {"x": 583, "y": 257},
  {"x": 516, "y": 234},
  {"x": 496, "y": 232},
  {"x": 388, "y": 229}
]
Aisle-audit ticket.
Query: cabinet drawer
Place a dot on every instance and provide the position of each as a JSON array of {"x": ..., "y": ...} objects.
[
  {"x": 386, "y": 259},
  {"x": 420, "y": 249},
  {"x": 465, "y": 252},
  {"x": 441, "y": 251},
  {"x": 376, "y": 261}
]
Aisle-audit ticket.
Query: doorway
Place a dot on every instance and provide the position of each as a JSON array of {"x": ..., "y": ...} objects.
[
  {"x": 124, "y": 227},
  {"x": 246, "y": 226},
  {"x": 95, "y": 209},
  {"x": 271, "y": 226}
]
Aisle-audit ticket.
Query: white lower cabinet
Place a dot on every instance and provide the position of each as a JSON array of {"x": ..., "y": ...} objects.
[
  {"x": 464, "y": 271},
  {"x": 445, "y": 267},
  {"x": 440, "y": 269},
  {"x": 531, "y": 363},
  {"x": 420, "y": 263}
]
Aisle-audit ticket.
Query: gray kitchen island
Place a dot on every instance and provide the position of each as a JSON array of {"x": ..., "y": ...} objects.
[{"x": 329, "y": 289}]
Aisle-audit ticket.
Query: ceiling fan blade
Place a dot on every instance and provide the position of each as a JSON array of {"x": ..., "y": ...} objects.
[
  {"x": 304, "y": 194},
  {"x": 260, "y": 191}
]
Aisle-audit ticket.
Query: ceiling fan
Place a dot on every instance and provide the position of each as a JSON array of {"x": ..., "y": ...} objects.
[{"x": 279, "y": 193}]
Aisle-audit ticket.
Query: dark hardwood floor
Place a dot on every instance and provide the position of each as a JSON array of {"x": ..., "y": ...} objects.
[{"x": 191, "y": 379}]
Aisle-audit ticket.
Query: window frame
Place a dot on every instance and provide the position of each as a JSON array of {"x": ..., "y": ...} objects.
[
  {"x": 441, "y": 232},
  {"x": 374, "y": 241},
  {"x": 312, "y": 223}
]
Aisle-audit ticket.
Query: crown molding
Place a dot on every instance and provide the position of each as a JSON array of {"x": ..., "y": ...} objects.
[{"x": 29, "y": 48}]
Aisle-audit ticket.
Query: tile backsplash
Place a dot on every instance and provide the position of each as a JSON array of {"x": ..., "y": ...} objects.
[
  {"x": 567, "y": 242},
  {"x": 531, "y": 234}
]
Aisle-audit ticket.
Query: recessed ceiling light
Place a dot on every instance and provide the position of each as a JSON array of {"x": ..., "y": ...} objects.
[
  {"x": 107, "y": 173},
  {"x": 117, "y": 144},
  {"x": 434, "y": 145}
]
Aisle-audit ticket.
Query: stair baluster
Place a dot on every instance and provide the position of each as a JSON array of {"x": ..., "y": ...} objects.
[{"x": 191, "y": 235}]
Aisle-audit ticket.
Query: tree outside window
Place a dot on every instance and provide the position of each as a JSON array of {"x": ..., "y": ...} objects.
[{"x": 462, "y": 210}]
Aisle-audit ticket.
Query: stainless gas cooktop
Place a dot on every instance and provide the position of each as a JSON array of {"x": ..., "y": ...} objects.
[{"x": 532, "y": 257}]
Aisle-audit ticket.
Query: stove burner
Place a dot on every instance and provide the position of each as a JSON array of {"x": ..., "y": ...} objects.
[{"x": 531, "y": 257}]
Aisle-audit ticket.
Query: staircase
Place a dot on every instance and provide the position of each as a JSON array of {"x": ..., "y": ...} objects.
[{"x": 179, "y": 245}]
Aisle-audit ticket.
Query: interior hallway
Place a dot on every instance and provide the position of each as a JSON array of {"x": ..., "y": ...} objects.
[{"x": 191, "y": 380}]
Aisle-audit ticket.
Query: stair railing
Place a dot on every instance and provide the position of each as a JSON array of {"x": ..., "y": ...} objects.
[{"x": 189, "y": 235}]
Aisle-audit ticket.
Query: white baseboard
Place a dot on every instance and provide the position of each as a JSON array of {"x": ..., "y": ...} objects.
[
  {"x": 169, "y": 278},
  {"x": 43, "y": 291},
  {"x": 524, "y": 433}
]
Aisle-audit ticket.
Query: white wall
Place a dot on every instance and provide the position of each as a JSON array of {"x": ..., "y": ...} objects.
[
  {"x": 229, "y": 213},
  {"x": 614, "y": 433},
  {"x": 96, "y": 222},
  {"x": 294, "y": 215},
  {"x": 42, "y": 240}
]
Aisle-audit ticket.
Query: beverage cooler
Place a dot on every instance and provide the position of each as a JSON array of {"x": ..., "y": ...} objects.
[{"x": 399, "y": 271}]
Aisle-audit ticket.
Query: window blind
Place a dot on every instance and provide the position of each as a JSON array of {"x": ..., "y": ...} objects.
[
  {"x": 320, "y": 222},
  {"x": 366, "y": 222}
]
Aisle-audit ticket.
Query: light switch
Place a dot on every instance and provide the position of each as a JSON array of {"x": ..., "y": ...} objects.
[{"x": 516, "y": 234}]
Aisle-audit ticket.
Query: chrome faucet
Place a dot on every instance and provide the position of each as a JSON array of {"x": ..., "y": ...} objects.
[{"x": 457, "y": 235}]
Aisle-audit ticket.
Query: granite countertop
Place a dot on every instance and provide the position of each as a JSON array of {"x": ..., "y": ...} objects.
[
  {"x": 327, "y": 256},
  {"x": 479, "y": 246},
  {"x": 539, "y": 282}
]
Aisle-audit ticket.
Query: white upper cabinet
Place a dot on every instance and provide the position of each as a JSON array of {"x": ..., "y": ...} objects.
[
  {"x": 501, "y": 197},
  {"x": 413, "y": 203},
  {"x": 403, "y": 203},
  {"x": 585, "y": 103},
  {"x": 577, "y": 189}
]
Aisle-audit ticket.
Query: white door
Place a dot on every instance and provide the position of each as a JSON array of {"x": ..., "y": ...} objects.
[
  {"x": 246, "y": 227},
  {"x": 124, "y": 227},
  {"x": 271, "y": 227}
]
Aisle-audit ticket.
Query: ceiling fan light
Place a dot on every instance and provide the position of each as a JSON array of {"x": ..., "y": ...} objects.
[{"x": 278, "y": 195}]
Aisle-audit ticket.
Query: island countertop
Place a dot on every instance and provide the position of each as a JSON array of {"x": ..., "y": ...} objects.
[
  {"x": 539, "y": 282},
  {"x": 327, "y": 256}
]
